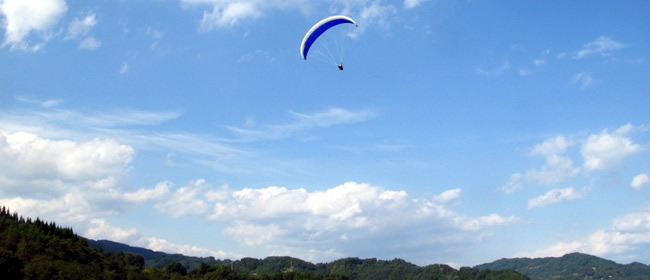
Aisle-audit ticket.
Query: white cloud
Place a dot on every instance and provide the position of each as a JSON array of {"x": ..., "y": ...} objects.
[
  {"x": 100, "y": 229},
  {"x": 608, "y": 151},
  {"x": 583, "y": 79},
  {"x": 89, "y": 43},
  {"x": 557, "y": 168},
  {"x": 639, "y": 181},
  {"x": 186, "y": 200},
  {"x": 141, "y": 195},
  {"x": 257, "y": 54},
  {"x": 556, "y": 250},
  {"x": 448, "y": 195},
  {"x": 124, "y": 69},
  {"x": 290, "y": 219},
  {"x": 628, "y": 235},
  {"x": 79, "y": 28},
  {"x": 603, "y": 46},
  {"x": 24, "y": 17},
  {"x": 497, "y": 71},
  {"x": 604, "y": 151},
  {"x": 45, "y": 104},
  {"x": 552, "y": 146},
  {"x": 554, "y": 196},
  {"x": 413, "y": 3},
  {"x": 228, "y": 13},
  {"x": 253, "y": 235},
  {"x": 376, "y": 13},
  {"x": 162, "y": 245},
  {"x": 29, "y": 163},
  {"x": 513, "y": 184},
  {"x": 302, "y": 121}
]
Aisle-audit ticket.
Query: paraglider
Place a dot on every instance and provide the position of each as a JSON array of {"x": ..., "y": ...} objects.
[{"x": 318, "y": 29}]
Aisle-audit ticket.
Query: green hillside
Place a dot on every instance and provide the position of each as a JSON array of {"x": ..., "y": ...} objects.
[{"x": 572, "y": 266}]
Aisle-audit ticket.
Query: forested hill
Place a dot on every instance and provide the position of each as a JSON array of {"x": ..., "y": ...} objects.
[{"x": 572, "y": 266}]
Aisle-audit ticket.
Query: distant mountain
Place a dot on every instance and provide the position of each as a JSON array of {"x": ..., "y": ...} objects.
[
  {"x": 346, "y": 268},
  {"x": 155, "y": 258},
  {"x": 571, "y": 266}
]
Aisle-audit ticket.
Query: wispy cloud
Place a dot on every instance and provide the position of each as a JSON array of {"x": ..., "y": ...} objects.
[
  {"x": 497, "y": 71},
  {"x": 554, "y": 196},
  {"x": 124, "y": 69},
  {"x": 230, "y": 13},
  {"x": 303, "y": 121},
  {"x": 257, "y": 54},
  {"x": 583, "y": 80},
  {"x": 557, "y": 168},
  {"x": 603, "y": 46},
  {"x": 413, "y": 3},
  {"x": 80, "y": 27},
  {"x": 45, "y": 104}
]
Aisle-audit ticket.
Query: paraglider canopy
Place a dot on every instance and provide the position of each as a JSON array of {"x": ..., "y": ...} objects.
[{"x": 318, "y": 29}]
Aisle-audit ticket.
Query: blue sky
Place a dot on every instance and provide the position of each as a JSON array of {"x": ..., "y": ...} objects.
[{"x": 459, "y": 132}]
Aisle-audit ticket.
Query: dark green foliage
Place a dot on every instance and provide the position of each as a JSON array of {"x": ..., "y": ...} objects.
[
  {"x": 572, "y": 266},
  {"x": 176, "y": 268}
]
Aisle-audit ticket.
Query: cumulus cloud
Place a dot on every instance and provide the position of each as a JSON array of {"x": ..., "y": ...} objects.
[
  {"x": 29, "y": 162},
  {"x": 300, "y": 221},
  {"x": 554, "y": 196},
  {"x": 628, "y": 235},
  {"x": 607, "y": 151},
  {"x": 75, "y": 183},
  {"x": 101, "y": 229},
  {"x": 141, "y": 195},
  {"x": 639, "y": 181},
  {"x": 184, "y": 201},
  {"x": 25, "y": 17},
  {"x": 603, "y": 46},
  {"x": 556, "y": 169}
]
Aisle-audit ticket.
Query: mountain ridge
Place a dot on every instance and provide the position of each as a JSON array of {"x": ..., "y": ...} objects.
[{"x": 574, "y": 265}]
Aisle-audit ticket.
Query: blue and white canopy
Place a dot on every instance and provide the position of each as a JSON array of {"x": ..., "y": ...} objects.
[{"x": 318, "y": 29}]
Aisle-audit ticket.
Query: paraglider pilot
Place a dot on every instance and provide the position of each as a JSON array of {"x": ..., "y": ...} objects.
[{"x": 341, "y": 66}]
